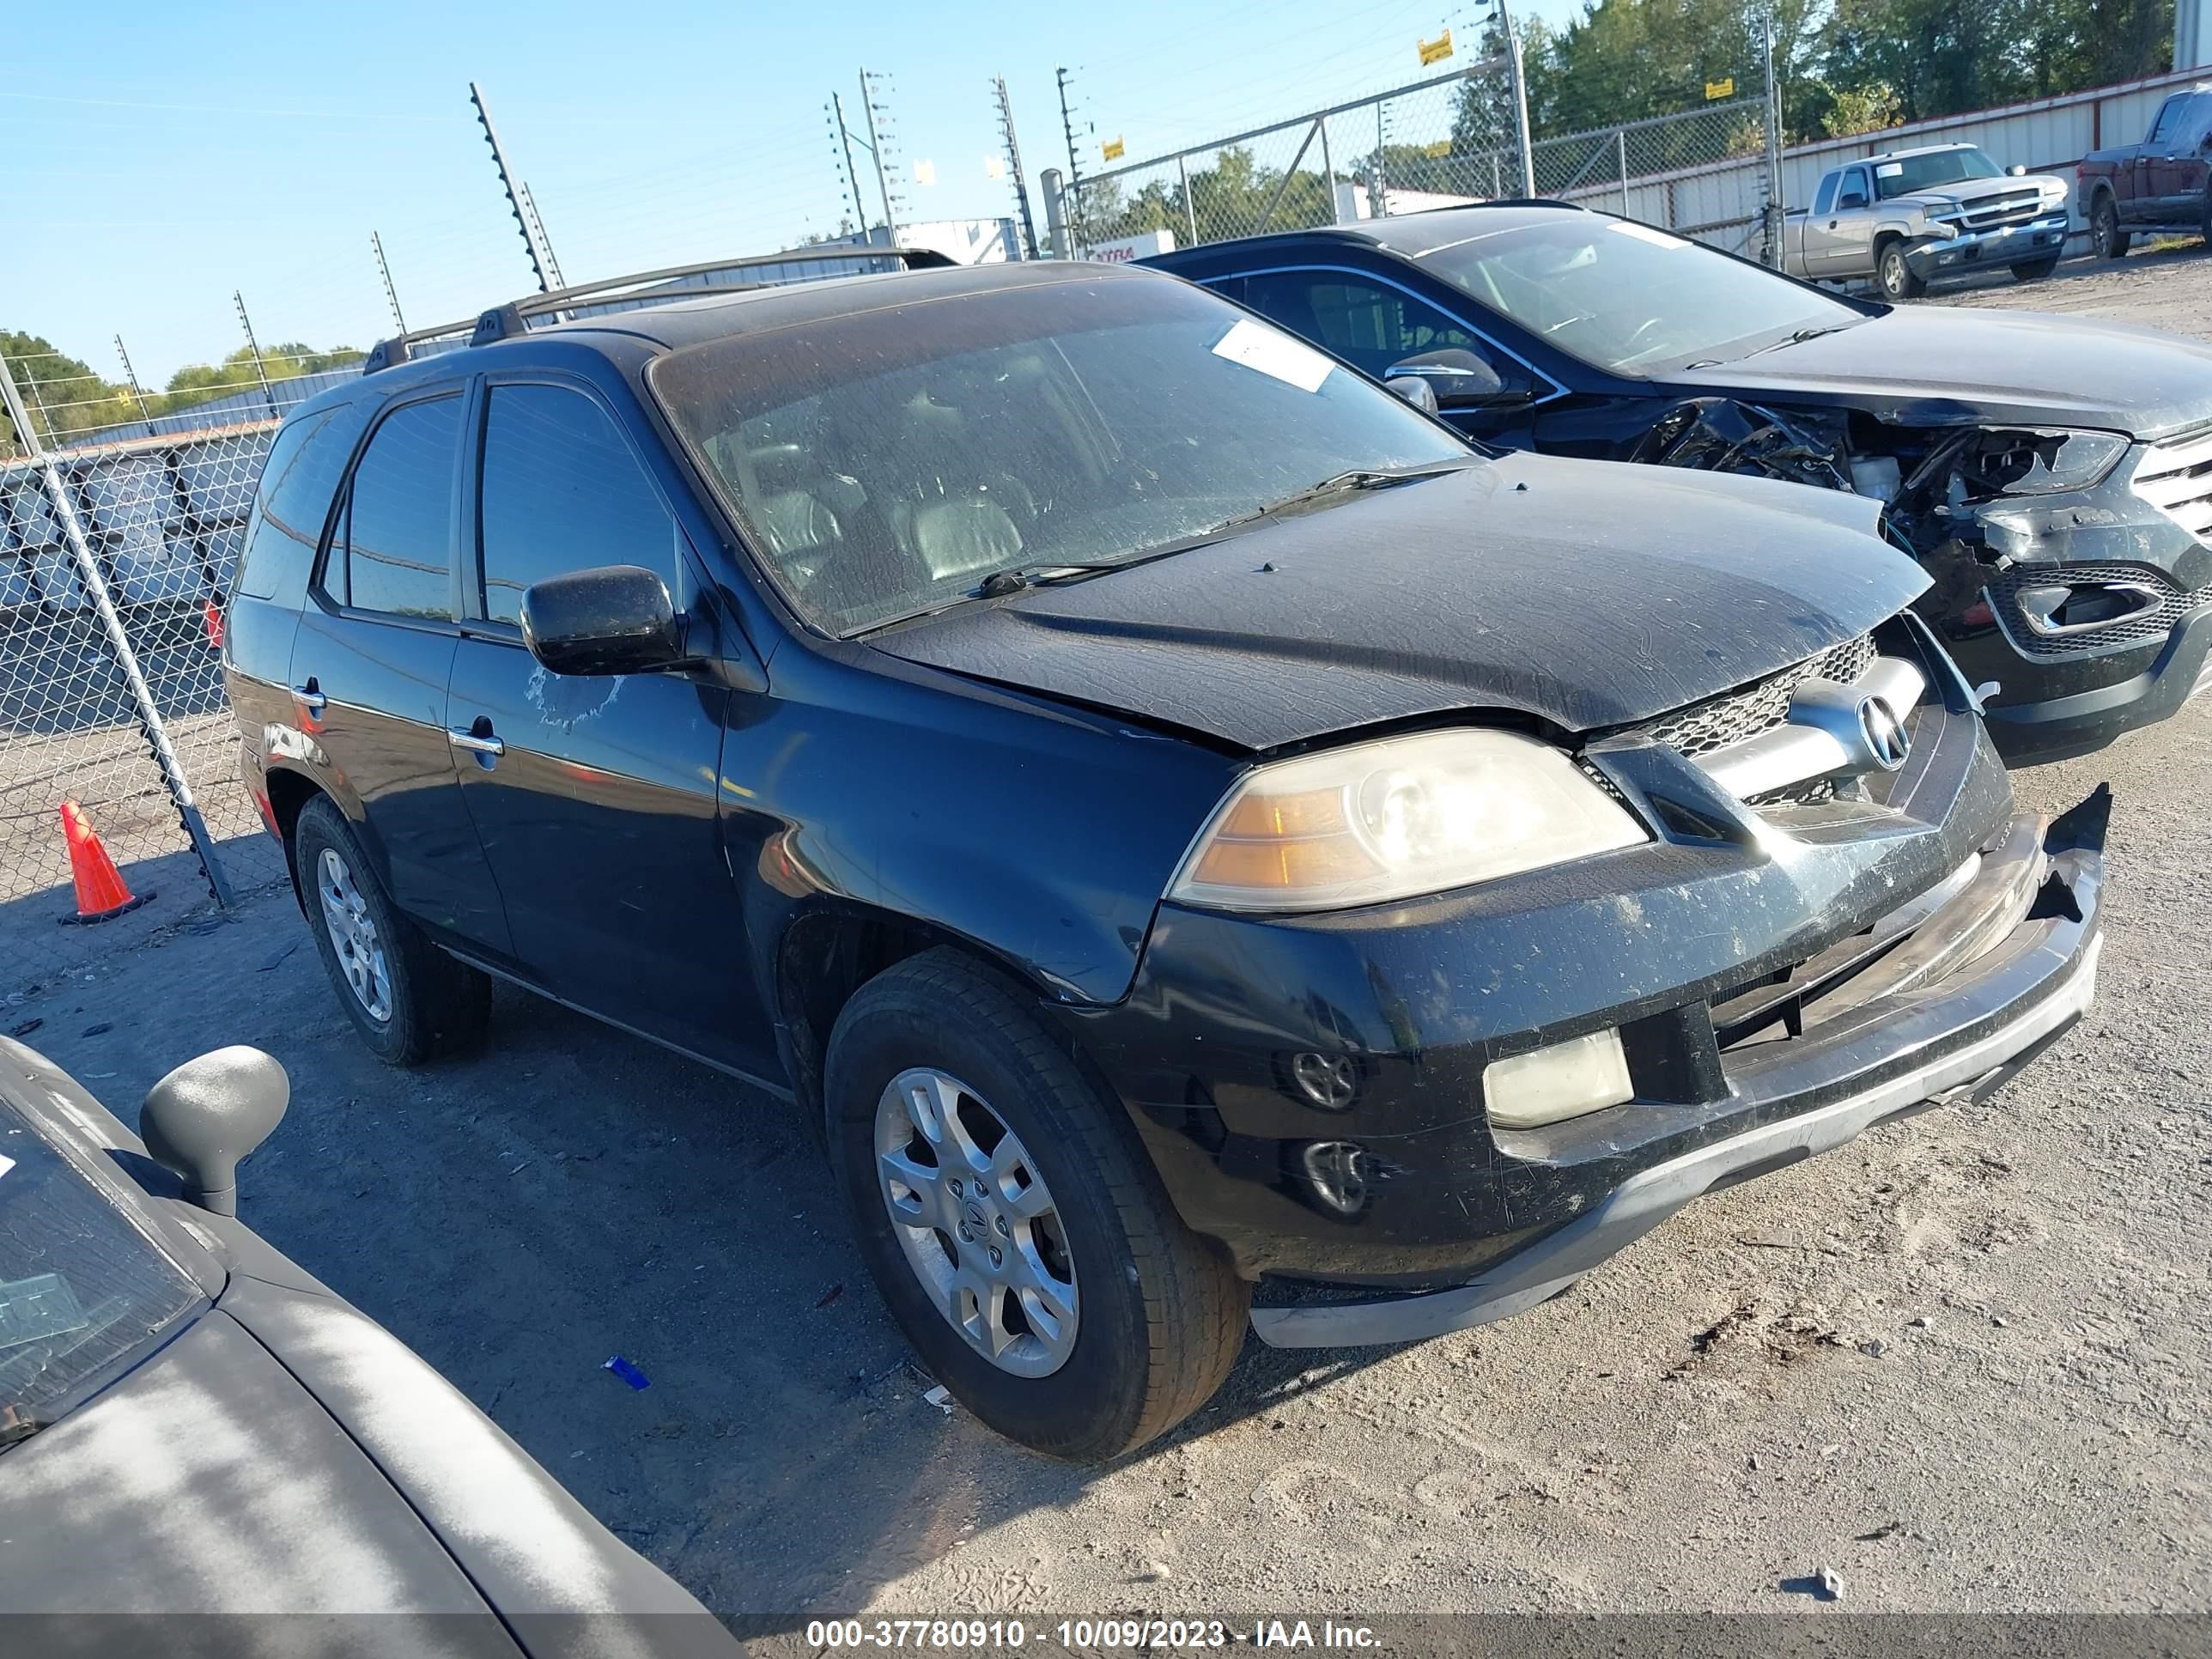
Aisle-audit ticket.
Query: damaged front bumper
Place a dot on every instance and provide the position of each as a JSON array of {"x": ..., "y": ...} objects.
[
  {"x": 1313, "y": 1090},
  {"x": 2007, "y": 245},
  {"x": 2022, "y": 941}
]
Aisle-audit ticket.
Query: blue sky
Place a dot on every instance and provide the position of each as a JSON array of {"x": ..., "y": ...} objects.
[{"x": 163, "y": 155}]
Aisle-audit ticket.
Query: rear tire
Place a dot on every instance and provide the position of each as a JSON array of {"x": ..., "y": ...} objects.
[
  {"x": 2106, "y": 238},
  {"x": 408, "y": 999},
  {"x": 1893, "y": 276},
  {"x": 1140, "y": 1318},
  {"x": 2034, "y": 271}
]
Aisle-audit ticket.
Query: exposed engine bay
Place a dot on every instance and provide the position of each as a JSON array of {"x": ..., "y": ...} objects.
[{"x": 1976, "y": 487}]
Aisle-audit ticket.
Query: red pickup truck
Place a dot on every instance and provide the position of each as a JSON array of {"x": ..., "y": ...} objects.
[{"x": 2163, "y": 183}]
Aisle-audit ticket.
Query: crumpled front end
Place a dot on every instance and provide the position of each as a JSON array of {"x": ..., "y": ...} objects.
[
  {"x": 1387, "y": 1098},
  {"x": 2071, "y": 573}
]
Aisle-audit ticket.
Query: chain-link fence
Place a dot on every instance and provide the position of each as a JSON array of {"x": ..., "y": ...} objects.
[
  {"x": 118, "y": 547},
  {"x": 1444, "y": 142}
]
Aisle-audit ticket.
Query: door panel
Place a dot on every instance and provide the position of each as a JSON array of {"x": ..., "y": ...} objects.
[
  {"x": 599, "y": 813},
  {"x": 369, "y": 666}
]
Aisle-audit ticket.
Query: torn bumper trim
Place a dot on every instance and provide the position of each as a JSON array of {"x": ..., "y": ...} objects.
[{"x": 1964, "y": 1032}]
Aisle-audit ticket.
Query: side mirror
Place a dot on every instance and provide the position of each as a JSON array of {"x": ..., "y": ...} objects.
[
  {"x": 1456, "y": 378},
  {"x": 1415, "y": 391},
  {"x": 1851, "y": 199},
  {"x": 205, "y": 1117},
  {"x": 615, "y": 619},
  {"x": 2016, "y": 171}
]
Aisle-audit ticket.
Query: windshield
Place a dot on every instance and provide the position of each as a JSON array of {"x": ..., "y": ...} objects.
[
  {"x": 1628, "y": 299},
  {"x": 886, "y": 463},
  {"x": 81, "y": 1288},
  {"x": 1910, "y": 174}
]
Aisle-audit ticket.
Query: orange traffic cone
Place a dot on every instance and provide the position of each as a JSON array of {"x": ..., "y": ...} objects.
[{"x": 100, "y": 893}]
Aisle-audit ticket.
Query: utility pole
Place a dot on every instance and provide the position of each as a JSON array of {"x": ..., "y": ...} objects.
[
  {"x": 1014, "y": 163},
  {"x": 1520, "y": 99},
  {"x": 1071, "y": 197},
  {"x": 541, "y": 258},
  {"x": 137, "y": 391},
  {"x": 268, "y": 395},
  {"x": 384, "y": 270},
  {"x": 876, "y": 149},
  {"x": 852, "y": 175},
  {"x": 1776, "y": 207}
]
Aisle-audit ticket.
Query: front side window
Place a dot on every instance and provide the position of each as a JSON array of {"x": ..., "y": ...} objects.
[
  {"x": 1368, "y": 322},
  {"x": 1854, "y": 184},
  {"x": 885, "y": 462},
  {"x": 1912, "y": 174},
  {"x": 1627, "y": 299},
  {"x": 562, "y": 492},
  {"x": 2168, "y": 121},
  {"x": 397, "y": 533}
]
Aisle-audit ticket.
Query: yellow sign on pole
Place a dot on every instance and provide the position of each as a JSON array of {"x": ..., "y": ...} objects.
[
  {"x": 1720, "y": 89},
  {"x": 1113, "y": 149},
  {"x": 1436, "y": 50}
]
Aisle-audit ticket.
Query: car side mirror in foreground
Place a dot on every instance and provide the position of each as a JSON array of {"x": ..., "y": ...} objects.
[
  {"x": 205, "y": 1117},
  {"x": 1455, "y": 377},
  {"x": 1415, "y": 391},
  {"x": 616, "y": 619}
]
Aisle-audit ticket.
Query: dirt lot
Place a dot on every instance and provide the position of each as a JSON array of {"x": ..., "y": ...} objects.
[{"x": 1964, "y": 1363}]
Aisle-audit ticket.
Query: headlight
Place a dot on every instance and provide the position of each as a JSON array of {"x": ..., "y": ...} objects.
[
  {"x": 2045, "y": 463},
  {"x": 1386, "y": 820}
]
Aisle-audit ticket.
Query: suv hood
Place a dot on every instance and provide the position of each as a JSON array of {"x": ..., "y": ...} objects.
[
  {"x": 1584, "y": 593},
  {"x": 1950, "y": 366}
]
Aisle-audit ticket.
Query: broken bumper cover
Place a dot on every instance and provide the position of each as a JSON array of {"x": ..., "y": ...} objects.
[
  {"x": 1989, "y": 980},
  {"x": 2007, "y": 245},
  {"x": 2064, "y": 723}
]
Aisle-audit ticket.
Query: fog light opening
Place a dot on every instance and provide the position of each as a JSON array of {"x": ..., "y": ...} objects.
[{"x": 1563, "y": 1080}]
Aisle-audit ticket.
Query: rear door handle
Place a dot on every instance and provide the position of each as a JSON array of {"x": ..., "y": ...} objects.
[{"x": 477, "y": 743}]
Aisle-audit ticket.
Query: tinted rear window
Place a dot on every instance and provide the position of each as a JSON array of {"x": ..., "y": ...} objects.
[
  {"x": 399, "y": 518},
  {"x": 293, "y": 501}
]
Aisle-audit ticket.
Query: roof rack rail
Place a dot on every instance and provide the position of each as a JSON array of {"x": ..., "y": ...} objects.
[{"x": 506, "y": 321}]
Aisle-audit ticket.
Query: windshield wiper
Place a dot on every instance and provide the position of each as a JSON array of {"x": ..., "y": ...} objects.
[
  {"x": 1798, "y": 338},
  {"x": 1343, "y": 482}
]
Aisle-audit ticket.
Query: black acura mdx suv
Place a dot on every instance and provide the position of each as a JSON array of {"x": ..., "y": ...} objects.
[{"x": 1207, "y": 844}]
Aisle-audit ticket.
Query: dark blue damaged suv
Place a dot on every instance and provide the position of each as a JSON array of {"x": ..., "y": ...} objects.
[{"x": 1189, "y": 825}]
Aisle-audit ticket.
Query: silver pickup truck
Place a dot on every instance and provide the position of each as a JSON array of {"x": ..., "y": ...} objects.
[{"x": 1907, "y": 216}]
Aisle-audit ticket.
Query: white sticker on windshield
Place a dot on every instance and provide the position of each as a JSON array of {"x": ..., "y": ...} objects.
[
  {"x": 1257, "y": 346},
  {"x": 1887, "y": 169},
  {"x": 1645, "y": 234}
]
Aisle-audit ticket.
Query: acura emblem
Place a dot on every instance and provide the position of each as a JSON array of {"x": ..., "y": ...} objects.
[{"x": 1884, "y": 734}]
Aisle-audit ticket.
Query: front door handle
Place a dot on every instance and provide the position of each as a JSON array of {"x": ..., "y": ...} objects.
[
  {"x": 476, "y": 741},
  {"x": 309, "y": 697}
]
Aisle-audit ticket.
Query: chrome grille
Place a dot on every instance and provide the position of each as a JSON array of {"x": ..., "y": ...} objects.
[
  {"x": 2016, "y": 208},
  {"x": 1735, "y": 715},
  {"x": 2176, "y": 478}
]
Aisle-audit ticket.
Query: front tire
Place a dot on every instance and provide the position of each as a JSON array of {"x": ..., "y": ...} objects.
[
  {"x": 2105, "y": 236},
  {"x": 2034, "y": 271},
  {"x": 1010, "y": 1217},
  {"x": 408, "y": 999},
  {"x": 1894, "y": 277}
]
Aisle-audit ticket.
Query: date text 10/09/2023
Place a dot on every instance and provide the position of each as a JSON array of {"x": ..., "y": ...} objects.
[{"x": 1087, "y": 1635}]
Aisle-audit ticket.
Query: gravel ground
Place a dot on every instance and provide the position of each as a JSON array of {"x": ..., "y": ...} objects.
[{"x": 1962, "y": 1364}]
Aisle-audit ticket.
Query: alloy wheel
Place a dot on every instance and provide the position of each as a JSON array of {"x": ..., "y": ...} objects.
[
  {"x": 977, "y": 1224},
  {"x": 353, "y": 934}
]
